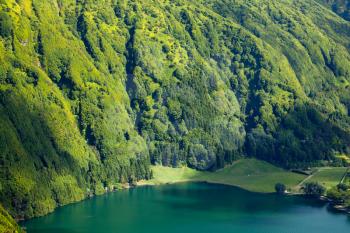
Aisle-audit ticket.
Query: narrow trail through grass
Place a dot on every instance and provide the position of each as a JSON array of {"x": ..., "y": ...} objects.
[{"x": 305, "y": 180}]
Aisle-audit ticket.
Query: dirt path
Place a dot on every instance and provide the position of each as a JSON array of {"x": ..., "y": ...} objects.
[
  {"x": 306, "y": 179},
  {"x": 345, "y": 175}
]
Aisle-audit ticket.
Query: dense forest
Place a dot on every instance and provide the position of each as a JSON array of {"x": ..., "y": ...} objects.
[
  {"x": 94, "y": 91},
  {"x": 340, "y": 7},
  {"x": 7, "y": 223}
]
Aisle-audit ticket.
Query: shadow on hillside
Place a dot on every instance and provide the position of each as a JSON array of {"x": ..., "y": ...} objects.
[
  {"x": 30, "y": 156},
  {"x": 302, "y": 138}
]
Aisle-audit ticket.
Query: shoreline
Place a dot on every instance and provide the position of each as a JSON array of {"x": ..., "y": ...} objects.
[
  {"x": 248, "y": 174},
  {"x": 143, "y": 183},
  {"x": 339, "y": 208}
]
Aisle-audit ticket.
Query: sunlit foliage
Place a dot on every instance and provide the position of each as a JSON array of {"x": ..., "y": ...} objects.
[{"x": 93, "y": 91}]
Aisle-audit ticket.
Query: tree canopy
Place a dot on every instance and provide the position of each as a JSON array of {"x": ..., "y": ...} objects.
[{"x": 92, "y": 92}]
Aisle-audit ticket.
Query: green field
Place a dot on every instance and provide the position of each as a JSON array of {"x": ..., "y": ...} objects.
[
  {"x": 328, "y": 177},
  {"x": 255, "y": 175},
  {"x": 250, "y": 174}
]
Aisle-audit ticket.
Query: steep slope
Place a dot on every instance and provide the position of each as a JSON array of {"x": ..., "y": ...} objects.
[
  {"x": 340, "y": 7},
  {"x": 316, "y": 46},
  {"x": 66, "y": 131},
  {"x": 93, "y": 91},
  {"x": 7, "y": 223}
]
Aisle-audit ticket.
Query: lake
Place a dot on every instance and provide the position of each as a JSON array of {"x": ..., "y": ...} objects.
[{"x": 192, "y": 208}]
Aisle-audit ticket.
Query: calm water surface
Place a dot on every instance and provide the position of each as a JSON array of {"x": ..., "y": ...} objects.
[{"x": 192, "y": 208}]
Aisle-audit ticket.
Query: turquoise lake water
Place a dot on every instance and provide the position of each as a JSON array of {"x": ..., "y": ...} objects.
[{"x": 192, "y": 208}]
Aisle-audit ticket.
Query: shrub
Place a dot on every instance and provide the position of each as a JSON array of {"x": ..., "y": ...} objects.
[
  {"x": 5, "y": 25},
  {"x": 280, "y": 188},
  {"x": 313, "y": 189}
]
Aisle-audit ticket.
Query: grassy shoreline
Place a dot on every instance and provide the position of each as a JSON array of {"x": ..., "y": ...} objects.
[
  {"x": 252, "y": 175},
  {"x": 249, "y": 174}
]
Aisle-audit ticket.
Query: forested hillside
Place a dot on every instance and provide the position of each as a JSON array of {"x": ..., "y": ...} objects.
[
  {"x": 340, "y": 7},
  {"x": 93, "y": 91},
  {"x": 7, "y": 223}
]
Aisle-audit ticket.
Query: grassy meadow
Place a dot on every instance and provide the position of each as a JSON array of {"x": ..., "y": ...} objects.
[
  {"x": 250, "y": 174},
  {"x": 329, "y": 176}
]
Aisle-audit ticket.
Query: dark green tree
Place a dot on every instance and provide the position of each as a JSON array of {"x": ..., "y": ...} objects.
[
  {"x": 313, "y": 189},
  {"x": 280, "y": 188},
  {"x": 5, "y": 25}
]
